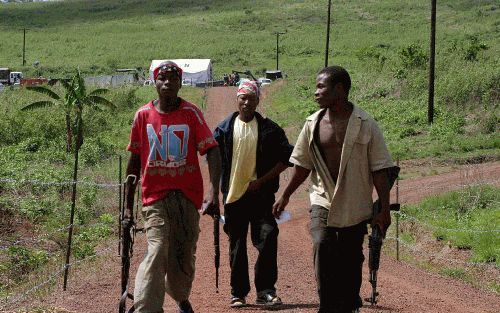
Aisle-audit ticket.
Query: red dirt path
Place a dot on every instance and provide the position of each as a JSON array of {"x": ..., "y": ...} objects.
[{"x": 403, "y": 287}]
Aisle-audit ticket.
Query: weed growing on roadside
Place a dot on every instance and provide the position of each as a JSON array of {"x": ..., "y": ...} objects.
[{"x": 468, "y": 219}]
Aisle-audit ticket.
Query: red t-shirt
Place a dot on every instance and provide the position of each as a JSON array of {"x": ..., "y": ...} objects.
[{"x": 167, "y": 144}]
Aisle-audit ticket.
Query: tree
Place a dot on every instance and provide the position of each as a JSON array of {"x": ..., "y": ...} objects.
[{"x": 73, "y": 101}]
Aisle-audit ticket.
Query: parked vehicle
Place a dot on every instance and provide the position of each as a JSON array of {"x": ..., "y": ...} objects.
[
  {"x": 273, "y": 75},
  {"x": 7, "y": 77},
  {"x": 264, "y": 81},
  {"x": 34, "y": 81}
]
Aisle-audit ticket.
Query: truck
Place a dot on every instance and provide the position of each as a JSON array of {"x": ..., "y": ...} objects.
[{"x": 7, "y": 77}]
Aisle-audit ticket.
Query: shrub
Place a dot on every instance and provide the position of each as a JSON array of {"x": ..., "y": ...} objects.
[
  {"x": 413, "y": 56},
  {"x": 87, "y": 240},
  {"x": 473, "y": 48},
  {"x": 33, "y": 209},
  {"x": 372, "y": 53},
  {"x": 94, "y": 150},
  {"x": 447, "y": 124},
  {"x": 24, "y": 261}
]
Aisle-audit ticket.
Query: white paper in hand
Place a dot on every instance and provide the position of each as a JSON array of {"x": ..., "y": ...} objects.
[{"x": 284, "y": 217}]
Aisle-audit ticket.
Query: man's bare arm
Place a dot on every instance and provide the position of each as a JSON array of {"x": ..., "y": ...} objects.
[
  {"x": 299, "y": 175},
  {"x": 133, "y": 169},
  {"x": 273, "y": 173},
  {"x": 381, "y": 183},
  {"x": 211, "y": 201}
]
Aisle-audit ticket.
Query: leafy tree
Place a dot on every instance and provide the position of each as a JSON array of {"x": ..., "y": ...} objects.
[{"x": 73, "y": 101}]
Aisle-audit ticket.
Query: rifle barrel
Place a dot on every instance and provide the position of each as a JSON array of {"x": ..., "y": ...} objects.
[{"x": 217, "y": 251}]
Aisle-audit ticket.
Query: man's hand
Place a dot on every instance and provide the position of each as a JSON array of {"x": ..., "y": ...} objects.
[
  {"x": 254, "y": 185},
  {"x": 129, "y": 186},
  {"x": 381, "y": 183},
  {"x": 127, "y": 222},
  {"x": 210, "y": 206},
  {"x": 279, "y": 206},
  {"x": 383, "y": 221}
]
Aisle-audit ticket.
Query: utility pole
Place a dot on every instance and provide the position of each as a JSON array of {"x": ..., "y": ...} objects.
[
  {"x": 24, "y": 46},
  {"x": 278, "y": 48},
  {"x": 432, "y": 64},
  {"x": 328, "y": 33}
]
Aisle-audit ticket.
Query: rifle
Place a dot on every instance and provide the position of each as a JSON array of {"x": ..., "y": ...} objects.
[
  {"x": 127, "y": 232},
  {"x": 375, "y": 239},
  {"x": 217, "y": 251}
]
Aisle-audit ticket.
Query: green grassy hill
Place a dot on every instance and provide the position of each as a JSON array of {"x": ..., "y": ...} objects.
[{"x": 384, "y": 45}]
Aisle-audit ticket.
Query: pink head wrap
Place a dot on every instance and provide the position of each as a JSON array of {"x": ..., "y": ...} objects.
[{"x": 248, "y": 87}]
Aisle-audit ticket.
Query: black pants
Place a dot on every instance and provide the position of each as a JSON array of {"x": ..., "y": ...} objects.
[
  {"x": 255, "y": 210},
  {"x": 338, "y": 260}
]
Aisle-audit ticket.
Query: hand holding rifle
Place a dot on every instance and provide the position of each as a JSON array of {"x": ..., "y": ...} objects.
[
  {"x": 126, "y": 238},
  {"x": 211, "y": 203},
  {"x": 213, "y": 210},
  {"x": 383, "y": 181}
]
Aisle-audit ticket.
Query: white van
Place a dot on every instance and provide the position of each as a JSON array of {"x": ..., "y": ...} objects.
[{"x": 264, "y": 81}]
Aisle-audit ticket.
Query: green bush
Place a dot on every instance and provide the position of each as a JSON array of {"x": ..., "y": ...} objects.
[
  {"x": 95, "y": 149},
  {"x": 376, "y": 54},
  {"x": 23, "y": 261},
  {"x": 447, "y": 124},
  {"x": 473, "y": 48},
  {"x": 87, "y": 240},
  {"x": 33, "y": 209}
]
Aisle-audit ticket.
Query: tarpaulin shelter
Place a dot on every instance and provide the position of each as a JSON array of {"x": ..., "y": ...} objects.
[{"x": 194, "y": 70}]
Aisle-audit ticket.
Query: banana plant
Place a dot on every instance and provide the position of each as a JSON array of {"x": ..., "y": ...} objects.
[{"x": 72, "y": 102}]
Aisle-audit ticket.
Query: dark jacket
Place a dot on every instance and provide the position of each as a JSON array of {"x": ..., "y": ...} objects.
[{"x": 272, "y": 147}]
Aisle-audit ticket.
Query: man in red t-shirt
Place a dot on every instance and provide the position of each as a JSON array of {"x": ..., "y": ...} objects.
[{"x": 167, "y": 135}]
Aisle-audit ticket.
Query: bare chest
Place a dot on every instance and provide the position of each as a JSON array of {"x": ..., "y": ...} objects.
[{"x": 331, "y": 136}]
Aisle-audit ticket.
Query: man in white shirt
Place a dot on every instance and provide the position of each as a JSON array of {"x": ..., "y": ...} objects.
[{"x": 343, "y": 150}]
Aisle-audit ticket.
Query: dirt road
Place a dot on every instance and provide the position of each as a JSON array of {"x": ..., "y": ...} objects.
[{"x": 402, "y": 287}]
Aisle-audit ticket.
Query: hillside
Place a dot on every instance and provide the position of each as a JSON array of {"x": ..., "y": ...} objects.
[{"x": 384, "y": 45}]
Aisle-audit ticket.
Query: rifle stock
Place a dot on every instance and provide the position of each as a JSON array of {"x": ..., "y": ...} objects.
[{"x": 375, "y": 240}]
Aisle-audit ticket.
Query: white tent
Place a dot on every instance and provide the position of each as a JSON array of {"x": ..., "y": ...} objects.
[{"x": 194, "y": 70}]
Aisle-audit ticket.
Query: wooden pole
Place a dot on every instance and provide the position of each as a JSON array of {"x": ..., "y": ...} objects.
[
  {"x": 119, "y": 200},
  {"x": 24, "y": 46},
  {"x": 432, "y": 64},
  {"x": 328, "y": 33},
  {"x": 278, "y": 48},
  {"x": 397, "y": 215},
  {"x": 277, "y": 51}
]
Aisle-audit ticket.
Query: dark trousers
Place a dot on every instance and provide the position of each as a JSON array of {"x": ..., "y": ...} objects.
[
  {"x": 338, "y": 259},
  {"x": 252, "y": 209}
]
